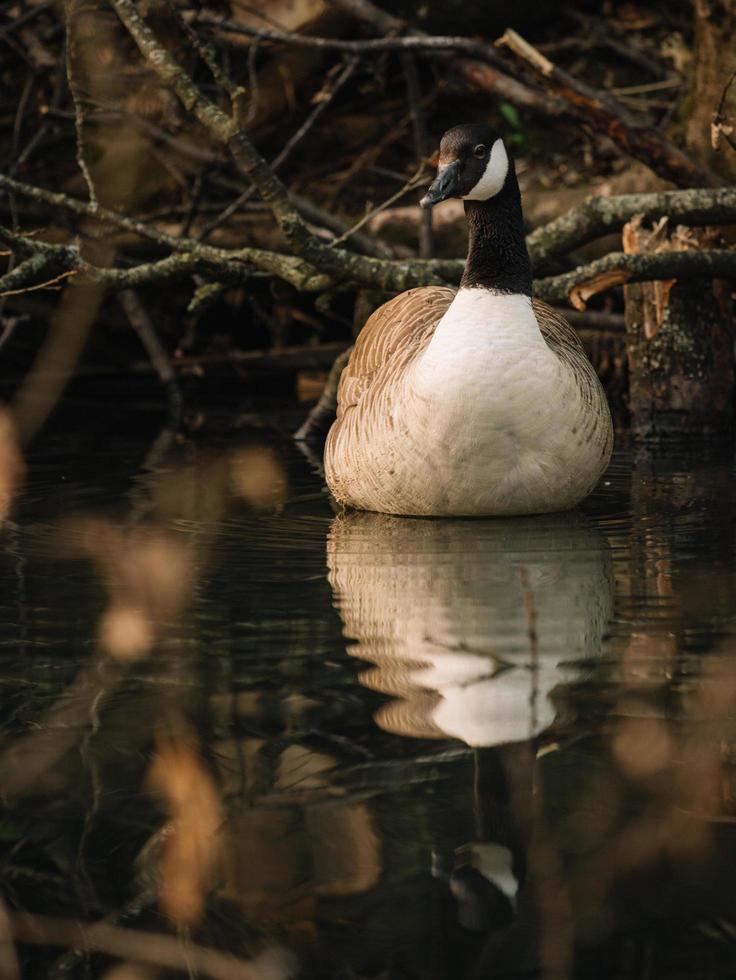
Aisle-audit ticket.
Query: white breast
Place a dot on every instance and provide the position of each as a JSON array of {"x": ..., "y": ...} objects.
[{"x": 494, "y": 411}]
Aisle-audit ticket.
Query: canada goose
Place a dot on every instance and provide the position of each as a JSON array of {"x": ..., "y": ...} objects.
[{"x": 473, "y": 402}]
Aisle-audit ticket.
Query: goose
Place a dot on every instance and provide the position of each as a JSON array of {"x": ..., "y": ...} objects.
[{"x": 475, "y": 402}]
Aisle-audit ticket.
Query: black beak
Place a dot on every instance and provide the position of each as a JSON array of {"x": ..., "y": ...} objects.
[{"x": 444, "y": 186}]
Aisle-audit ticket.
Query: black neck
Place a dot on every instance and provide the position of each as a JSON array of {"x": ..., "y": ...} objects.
[{"x": 497, "y": 255}]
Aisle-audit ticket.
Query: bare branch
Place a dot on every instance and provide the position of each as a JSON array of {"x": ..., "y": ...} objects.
[
  {"x": 77, "y": 101},
  {"x": 48, "y": 284},
  {"x": 611, "y": 118},
  {"x": 410, "y": 185},
  {"x": 291, "y": 143},
  {"x": 335, "y": 262},
  {"x": 142, "y": 324},
  {"x": 424, "y": 43}
]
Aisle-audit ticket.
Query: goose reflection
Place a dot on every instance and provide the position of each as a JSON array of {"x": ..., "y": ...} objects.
[{"x": 470, "y": 624}]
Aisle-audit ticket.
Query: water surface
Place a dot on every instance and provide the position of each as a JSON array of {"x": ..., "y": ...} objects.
[{"x": 359, "y": 745}]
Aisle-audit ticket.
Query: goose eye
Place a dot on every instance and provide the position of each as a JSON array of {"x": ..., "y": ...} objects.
[{"x": 479, "y": 150}]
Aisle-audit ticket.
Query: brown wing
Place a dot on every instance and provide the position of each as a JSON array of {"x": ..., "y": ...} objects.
[
  {"x": 564, "y": 342},
  {"x": 392, "y": 337},
  {"x": 559, "y": 335}
]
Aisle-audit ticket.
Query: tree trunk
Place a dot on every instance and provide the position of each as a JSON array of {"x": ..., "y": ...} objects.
[
  {"x": 679, "y": 344},
  {"x": 714, "y": 62}
]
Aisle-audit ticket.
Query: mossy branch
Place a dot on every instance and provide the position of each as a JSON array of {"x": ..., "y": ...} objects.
[
  {"x": 598, "y": 216},
  {"x": 619, "y": 267}
]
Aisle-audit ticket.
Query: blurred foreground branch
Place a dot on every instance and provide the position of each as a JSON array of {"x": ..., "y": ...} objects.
[{"x": 155, "y": 949}]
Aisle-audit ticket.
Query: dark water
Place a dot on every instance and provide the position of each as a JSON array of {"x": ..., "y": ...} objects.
[{"x": 354, "y": 746}]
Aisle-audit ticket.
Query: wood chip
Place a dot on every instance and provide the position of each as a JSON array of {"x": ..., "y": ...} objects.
[{"x": 580, "y": 294}]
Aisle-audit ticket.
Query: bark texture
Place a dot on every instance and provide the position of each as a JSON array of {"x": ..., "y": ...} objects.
[{"x": 679, "y": 344}]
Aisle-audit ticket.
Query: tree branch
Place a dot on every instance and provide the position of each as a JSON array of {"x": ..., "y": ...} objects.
[
  {"x": 335, "y": 262},
  {"x": 598, "y": 216},
  {"x": 595, "y": 217},
  {"x": 43, "y": 258},
  {"x": 155, "y": 949},
  {"x": 142, "y": 324},
  {"x": 619, "y": 267},
  {"x": 478, "y": 72},
  {"x": 611, "y": 118},
  {"x": 76, "y": 95},
  {"x": 422, "y": 43}
]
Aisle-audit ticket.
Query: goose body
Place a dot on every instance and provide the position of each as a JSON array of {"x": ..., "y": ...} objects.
[{"x": 475, "y": 402}]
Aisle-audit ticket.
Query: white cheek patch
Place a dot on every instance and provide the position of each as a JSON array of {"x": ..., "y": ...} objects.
[{"x": 493, "y": 176}]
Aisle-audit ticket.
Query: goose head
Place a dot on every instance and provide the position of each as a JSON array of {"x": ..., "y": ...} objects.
[{"x": 473, "y": 165}]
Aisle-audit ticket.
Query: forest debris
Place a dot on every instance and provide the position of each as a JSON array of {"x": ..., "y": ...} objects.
[
  {"x": 612, "y": 119},
  {"x": 156, "y": 949},
  {"x": 597, "y": 216},
  {"x": 601, "y": 215},
  {"x": 679, "y": 335},
  {"x": 635, "y": 240},
  {"x": 481, "y": 69}
]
